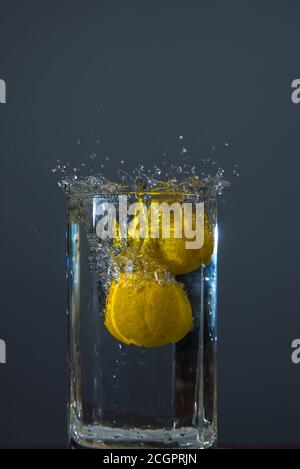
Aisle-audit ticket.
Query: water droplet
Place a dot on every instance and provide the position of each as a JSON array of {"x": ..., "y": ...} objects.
[
  {"x": 115, "y": 381},
  {"x": 78, "y": 141},
  {"x": 129, "y": 266},
  {"x": 36, "y": 229},
  {"x": 123, "y": 352},
  {"x": 122, "y": 161},
  {"x": 95, "y": 383}
]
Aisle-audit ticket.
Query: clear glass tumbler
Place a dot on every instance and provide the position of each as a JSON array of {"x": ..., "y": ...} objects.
[{"x": 148, "y": 393}]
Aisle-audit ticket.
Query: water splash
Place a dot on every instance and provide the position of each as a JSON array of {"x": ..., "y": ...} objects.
[{"x": 175, "y": 178}]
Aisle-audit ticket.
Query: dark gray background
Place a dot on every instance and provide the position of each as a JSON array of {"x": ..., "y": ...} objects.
[{"x": 136, "y": 75}]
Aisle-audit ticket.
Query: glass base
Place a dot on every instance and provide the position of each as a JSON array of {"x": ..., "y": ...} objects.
[{"x": 108, "y": 438}]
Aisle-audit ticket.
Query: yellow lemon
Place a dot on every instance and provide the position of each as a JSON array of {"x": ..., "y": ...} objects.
[
  {"x": 171, "y": 251},
  {"x": 174, "y": 254},
  {"x": 143, "y": 312}
]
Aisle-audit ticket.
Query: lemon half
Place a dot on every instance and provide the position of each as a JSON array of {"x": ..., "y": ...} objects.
[
  {"x": 140, "y": 311},
  {"x": 171, "y": 252},
  {"x": 177, "y": 258}
]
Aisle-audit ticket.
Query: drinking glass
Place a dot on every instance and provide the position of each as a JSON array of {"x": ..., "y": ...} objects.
[{"x": 127, "y": 395}]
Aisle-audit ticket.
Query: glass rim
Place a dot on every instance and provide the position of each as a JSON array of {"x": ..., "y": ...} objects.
[{"x": 81, "y": 196}]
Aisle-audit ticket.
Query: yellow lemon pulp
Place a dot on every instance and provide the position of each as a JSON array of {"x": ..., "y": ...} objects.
[
  {"x": 170, "y": 252},
  {"x": 177, "y": 258},
  {"x": 141, "y": 311}
]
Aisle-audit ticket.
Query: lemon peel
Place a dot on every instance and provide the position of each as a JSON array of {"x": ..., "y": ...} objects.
[
  {"x": 143, "y": 312},
  {"x": 170, "y": 252},
  {"x": 173, "y": 253}
]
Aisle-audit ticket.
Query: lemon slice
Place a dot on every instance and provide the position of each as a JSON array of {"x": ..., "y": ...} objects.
[
  {"x": 170, "y": 252},
  {"x": 140, "y": 311},
  {"x": 173, "y": 253}
]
